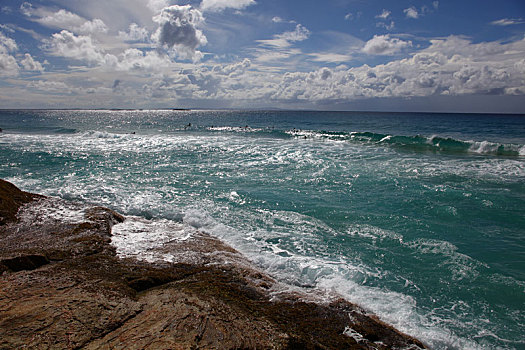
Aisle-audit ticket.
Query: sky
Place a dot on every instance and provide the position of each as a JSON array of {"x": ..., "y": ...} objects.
[{"x": 405, "y": 55}]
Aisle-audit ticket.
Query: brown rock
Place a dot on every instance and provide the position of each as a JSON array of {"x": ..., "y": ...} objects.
[{"x": 11, "y": 198}]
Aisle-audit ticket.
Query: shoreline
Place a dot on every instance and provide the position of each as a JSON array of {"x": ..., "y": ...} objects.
[{"x": 65, "y": 286}]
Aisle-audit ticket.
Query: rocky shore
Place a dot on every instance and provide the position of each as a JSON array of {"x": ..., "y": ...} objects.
[{"x": 62, "y": 285}]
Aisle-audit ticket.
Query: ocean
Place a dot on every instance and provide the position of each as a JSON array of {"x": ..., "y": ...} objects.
[{"x": 417, "y": 217}]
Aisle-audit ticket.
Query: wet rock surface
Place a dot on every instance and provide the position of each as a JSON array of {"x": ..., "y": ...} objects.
[{"x": 62, "y": 286}]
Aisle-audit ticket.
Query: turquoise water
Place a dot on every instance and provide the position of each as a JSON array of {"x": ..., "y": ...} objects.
[{"x": 419, "y": 218}]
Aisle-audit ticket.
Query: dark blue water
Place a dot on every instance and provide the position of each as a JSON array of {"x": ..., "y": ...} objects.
[{"x": 417, "y": 217}]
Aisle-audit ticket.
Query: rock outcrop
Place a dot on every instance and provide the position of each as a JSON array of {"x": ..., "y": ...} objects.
[{"x": 63, "y": 286}]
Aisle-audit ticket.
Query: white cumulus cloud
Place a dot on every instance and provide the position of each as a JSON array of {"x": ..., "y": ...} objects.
[
  {"x": 135, "y": 60},
  {"x": 411, "y": 12},
  {"x": 94, "y": 26},
  {"x": 8, "y": 65},
  {"x": 28, "y": 63},
  {"x": 7, "y": 44},
  {"x": 134, "y": 33},
  {"x": 69, "y": 45},
  {"x": 385, "y": 45}
]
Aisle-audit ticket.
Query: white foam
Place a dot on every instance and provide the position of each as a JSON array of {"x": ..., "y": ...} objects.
[
  {"x": 399, "y": 310},
  {"x": 430, "y": 140},
  {"x": 102, "y": 134},
  {"x": 52, "y": 210},
  {"x": 325, "y": 279},
  {"x": 235, "y": 129},
  {"x": 140, "y": 238},
  {"x": 486, "y": 147},
  {"x": 318, "y": 135}
]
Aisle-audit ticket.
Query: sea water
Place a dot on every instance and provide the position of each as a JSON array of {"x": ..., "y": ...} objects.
[{"x": 419, "y": 218}]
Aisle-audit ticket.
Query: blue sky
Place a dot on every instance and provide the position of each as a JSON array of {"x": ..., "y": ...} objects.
[{"x": 423, "y": 55}]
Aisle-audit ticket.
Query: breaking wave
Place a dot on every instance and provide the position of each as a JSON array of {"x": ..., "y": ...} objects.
[{"x": 419, "y": 143}]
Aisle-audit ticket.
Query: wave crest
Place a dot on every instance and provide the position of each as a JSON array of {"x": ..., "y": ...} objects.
[{"x": 420, "y": 143}]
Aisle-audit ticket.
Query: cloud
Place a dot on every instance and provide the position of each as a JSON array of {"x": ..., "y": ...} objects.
[
  {"x": 63, "y": 19},
  {"x": 178, "y": 31},
  {"x": 411, "y": 12},
  {"x": 385, "y": 45},
  {"x": 285, "y": 39},
  {"x": 507, "y": 21},
  {"x": 51, "y": 87},
  {"x": 135, "y": 60},
  {"x": 299, "y": 34},
  {"x": 450, "y": 66},
  {"x": 221, "y": 5},
  {"x": 8, "y": 65},
  {"x": 386, "y": 26},
  {"x": 384, "y": 15},
  {"x": 234, "y": 69},
  {"x": 351, "y": 16},
  {"x": 134, "y": 33},
  {"x": 330, "y": 57},
  {"x": 116, "y": 84},
  {"x": 28, "y": 63},
  {"x": 7, "y": 44},
  {"x": 60, "y": 19},
  {"x": 7, "y": 28},
  {"x": 144, "y": 65},
  {"x": 94, "y": 26},
  {"x": 278, "y": 19},
  {"x": 12, "y": 28},
  {"x": 84, "y": 48},
  {"x": 26, "y": 9},
  {"x": 157, "y": 5},
  {"x": 67, "y": 44}
]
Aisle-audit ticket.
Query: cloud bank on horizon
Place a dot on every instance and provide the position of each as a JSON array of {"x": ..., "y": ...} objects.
[{"x": 263, "y": 53}]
